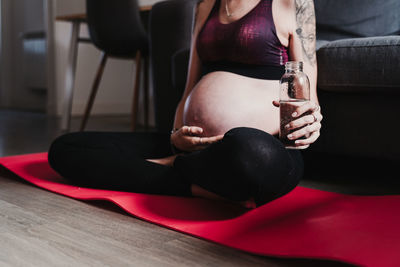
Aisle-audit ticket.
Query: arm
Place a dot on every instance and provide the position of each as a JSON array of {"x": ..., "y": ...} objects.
[
  {"x": 194, "y": 70},
  {"x": 302, "y": 41},
  {"x": 183, "y": 137}
]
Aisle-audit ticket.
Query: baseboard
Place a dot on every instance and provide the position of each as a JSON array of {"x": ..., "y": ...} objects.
[
  {"x": 112, "y": 109},
  {"x": 102, "y": 109}
]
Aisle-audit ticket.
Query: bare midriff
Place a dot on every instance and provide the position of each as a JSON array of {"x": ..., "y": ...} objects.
[{"x": 221, "y": 101}]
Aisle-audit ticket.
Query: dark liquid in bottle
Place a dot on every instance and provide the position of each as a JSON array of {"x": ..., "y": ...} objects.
[{"x": 286, "y": 110}]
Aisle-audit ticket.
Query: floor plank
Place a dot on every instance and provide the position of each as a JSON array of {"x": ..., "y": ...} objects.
[{"x": 40, "y": 228}]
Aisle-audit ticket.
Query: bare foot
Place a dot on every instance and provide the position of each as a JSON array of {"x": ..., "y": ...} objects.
[
  {"x": 201, "y": 192},
  {"x": 167, "y": 161},
  {"x": 249, "y": 204}
]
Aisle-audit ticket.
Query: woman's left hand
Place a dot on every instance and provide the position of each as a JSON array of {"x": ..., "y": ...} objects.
[{"x": 307, "y": 119}]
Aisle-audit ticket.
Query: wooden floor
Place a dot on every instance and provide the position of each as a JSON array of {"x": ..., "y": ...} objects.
[{"x": 39, "y": 228}]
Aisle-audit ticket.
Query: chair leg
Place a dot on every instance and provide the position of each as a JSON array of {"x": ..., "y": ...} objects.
[
  {"x": 95, "y": 87},
  {"x": 146, "y": 93},
  {"x": 135, "y": 101}
]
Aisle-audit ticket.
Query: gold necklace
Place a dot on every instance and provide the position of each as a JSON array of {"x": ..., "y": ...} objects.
[{"x": 229, "y": 14}]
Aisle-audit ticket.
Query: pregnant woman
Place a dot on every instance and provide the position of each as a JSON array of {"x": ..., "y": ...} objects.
[{"x": 223, "y": 144}]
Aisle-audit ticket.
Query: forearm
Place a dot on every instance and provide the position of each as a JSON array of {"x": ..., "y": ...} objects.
[
  {"x": 311, "y": 71},
  {"x": 303, "y": 42},
  {"x": 178, "y": 121},
  {"x": 314, "y": 98},
  {"x": 193, "y": 78},
  {"x": 194, "y": 70}
]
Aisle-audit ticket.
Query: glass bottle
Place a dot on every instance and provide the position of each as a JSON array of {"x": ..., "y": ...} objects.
[{"x": 294, "y": 92}]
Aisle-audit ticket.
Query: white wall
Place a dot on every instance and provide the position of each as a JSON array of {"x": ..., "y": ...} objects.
[{"x": 116, "y": 88}]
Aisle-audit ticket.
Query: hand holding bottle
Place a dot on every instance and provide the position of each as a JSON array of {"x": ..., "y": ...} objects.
[
  {"x": 299, "y": 117},
  {"x": 304, "y": 126}
]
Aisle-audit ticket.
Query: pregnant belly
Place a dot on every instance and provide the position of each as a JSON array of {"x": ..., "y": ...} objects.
[{"x": 222, "y": 101}]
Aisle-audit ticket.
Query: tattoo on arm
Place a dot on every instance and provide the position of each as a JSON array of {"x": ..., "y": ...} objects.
[{"x": 305, "y": 18}]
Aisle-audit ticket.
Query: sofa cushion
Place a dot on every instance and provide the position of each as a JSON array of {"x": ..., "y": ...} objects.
[
  {"x": 339, "y": 19},
  {"x": 367, "y": 64}
]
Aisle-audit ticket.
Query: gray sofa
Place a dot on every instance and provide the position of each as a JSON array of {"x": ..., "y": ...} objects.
[
  {"x": 359, "y": 77},
  {"x": 358, "y": 72}
]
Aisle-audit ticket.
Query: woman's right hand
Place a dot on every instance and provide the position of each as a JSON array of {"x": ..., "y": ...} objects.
[{"x": 187, "y": 138}]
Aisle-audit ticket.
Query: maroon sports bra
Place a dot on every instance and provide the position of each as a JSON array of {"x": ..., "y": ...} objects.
[{"x": 248, "y": 46}]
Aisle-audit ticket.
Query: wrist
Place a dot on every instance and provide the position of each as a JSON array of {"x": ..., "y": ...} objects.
[
  {"x": 174, "y": 130},
  {"x": 174, "y": 149}
]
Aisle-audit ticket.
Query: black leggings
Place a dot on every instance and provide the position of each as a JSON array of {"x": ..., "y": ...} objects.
[{"x": 246, "y": 163}]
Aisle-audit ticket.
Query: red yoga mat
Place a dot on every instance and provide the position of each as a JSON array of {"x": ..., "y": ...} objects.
[{"x": 306, "y": 223}]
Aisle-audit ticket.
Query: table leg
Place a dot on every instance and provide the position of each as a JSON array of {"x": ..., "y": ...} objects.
[{"x": 70, "y": 77}]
